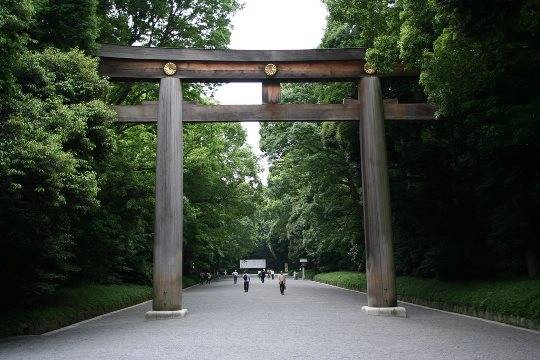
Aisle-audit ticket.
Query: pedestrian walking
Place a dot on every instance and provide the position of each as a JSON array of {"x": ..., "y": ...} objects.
[
  {"x": 208, "y": 277},
  {"x": 235, "y": 276},
  {"x": 262, "y": 275},
  {"x": 272, "y": 273},
  {"x": 202, "y": 277},
  {"x": 246, "y": 281},
  {"x": 282, "y": 279}
]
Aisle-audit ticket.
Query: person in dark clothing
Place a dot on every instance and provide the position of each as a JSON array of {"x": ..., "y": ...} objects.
[
  {"x": 246, "y": 281},
  {"x": 262, "y": 275},
  {"x": 282, "y": 279},
  {"x": 202, "y": 277}
]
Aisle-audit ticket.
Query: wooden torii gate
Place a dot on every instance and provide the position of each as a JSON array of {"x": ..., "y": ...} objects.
[{"x": 172, "y": 67}]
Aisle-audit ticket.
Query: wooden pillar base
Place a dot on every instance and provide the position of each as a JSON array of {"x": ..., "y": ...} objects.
[
  {"x": 396, "y": 311},
  {"x": 163, "y": 315}
]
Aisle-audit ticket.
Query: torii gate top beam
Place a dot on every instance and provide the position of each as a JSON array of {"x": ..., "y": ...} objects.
[{"x": 135, "y": 63}]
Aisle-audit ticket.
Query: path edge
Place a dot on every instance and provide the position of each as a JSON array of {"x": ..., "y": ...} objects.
[{"x": 74, "y": 325}]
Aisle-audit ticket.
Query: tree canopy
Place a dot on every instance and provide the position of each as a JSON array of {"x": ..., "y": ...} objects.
[
  {"x": 465, "y": 189},
  {"x": 76, "y": 190}
]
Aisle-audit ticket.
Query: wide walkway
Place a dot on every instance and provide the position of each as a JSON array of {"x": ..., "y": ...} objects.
[{"x": 312, "y": 321}]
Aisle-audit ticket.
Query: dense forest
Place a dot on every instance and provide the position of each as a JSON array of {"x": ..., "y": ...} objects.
[
  {"x": 465, "y": 189},
  {"x": 77, "y": 190}
]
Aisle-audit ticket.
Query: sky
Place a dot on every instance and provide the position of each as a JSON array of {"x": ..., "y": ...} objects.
[{"x": 270, "y": 25}]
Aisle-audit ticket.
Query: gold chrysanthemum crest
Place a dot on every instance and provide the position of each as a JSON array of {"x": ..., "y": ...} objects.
[
  {"x": 369, "y": 69},
  {"x": 270, "y": 69},
  {"x": 169, "y": 68}
]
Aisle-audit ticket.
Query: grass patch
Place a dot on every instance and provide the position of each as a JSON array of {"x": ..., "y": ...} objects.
[
  {"x": 73, "y": 304},
  {"x": 515, "y": 301},
  {"x": 310, "y": 273},
  {"x": 189, "y": 280},
  {"x": 347, "y": 279}
]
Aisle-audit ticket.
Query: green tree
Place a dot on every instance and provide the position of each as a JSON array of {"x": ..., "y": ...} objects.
[
  {"x": 66, "y": 24},
  {"x": 465, "y": 196},
  {"x": 77, "y": 192},
  {"x": 222, "y": 192},
  {"x": 15, "y": 17},
  {"x": 48, "y": 149},
  {"x": 313, "y": 190},
  {"x": 167, "y": 23}
]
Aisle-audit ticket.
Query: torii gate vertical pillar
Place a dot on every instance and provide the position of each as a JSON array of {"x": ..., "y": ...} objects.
[
  {"x": 167, "y": 301},
  {"x": 381, "y": 282}
]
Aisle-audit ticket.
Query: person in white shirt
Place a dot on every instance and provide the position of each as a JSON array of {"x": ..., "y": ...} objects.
[
  {"x": 235, "y": 276},
  {"x": 246, "y": 281},
  {"x": 282, "y": 280}
]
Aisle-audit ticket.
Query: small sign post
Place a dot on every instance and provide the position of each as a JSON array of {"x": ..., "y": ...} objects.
[{"x": 303, "y": 262}]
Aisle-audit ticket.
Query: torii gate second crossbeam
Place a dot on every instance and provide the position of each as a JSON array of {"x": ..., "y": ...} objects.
[{"x": 171, "y": 67}]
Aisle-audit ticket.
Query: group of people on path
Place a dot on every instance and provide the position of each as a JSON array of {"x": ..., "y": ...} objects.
[
  {"x": 266, "y": 274},
  {"x": 282, "y": 279},
  {"x": 205, "y": 277}
]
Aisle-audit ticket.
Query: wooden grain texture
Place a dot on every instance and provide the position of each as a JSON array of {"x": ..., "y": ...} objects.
[
  {"x": 168, "y": 215},
  {"x": 349, "y": 111},
  {"x": 271, "y": 92},
  {"x": 272, "y": 112},
  {"x": 381, "y": 285},
  {"x": 394, "y": 111},
  {"x": 135, "y": 63},
  {"x": 228, "y": 55},
  {"x": 193, "y": 71}
]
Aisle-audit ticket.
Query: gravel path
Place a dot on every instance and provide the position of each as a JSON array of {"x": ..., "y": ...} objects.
[{"x": 312, "y": 321}]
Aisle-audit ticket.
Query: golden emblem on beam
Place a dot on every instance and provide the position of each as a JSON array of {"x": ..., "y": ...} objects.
[
  {"x": 169, "y": 69},
  {"x": 369, "y": 69},
  {"x": 270, "y": 70}
]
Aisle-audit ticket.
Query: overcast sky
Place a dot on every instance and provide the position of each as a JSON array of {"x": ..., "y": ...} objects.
[{"x": 270, "y": 25}]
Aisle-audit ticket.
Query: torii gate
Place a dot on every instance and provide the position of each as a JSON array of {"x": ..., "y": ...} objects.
[{"x": 172, "y": 67}]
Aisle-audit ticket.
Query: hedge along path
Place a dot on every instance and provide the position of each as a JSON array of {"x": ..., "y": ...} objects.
[
  {"x": 76, "y": 304},
  {"x": 513, "y": 302}
]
